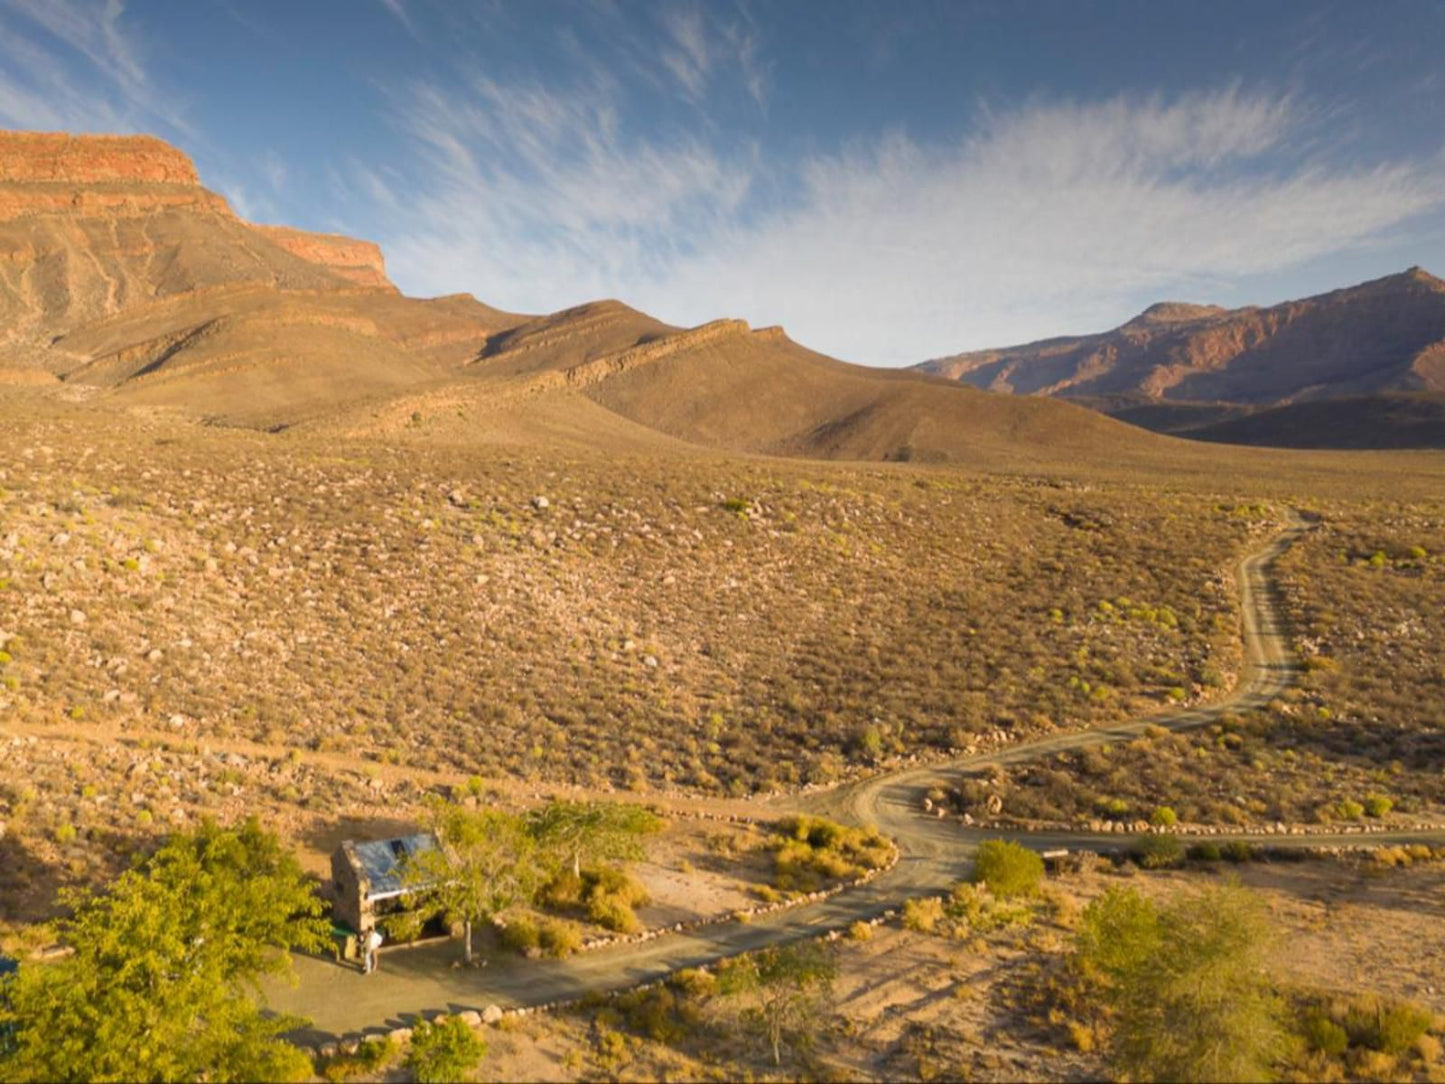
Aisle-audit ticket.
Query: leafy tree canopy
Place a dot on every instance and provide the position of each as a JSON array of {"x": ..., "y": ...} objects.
[
  {"x": 159, "y": 985},
  {"x": 783, "y": 988},
  {"x": 1187, "y": 982}
]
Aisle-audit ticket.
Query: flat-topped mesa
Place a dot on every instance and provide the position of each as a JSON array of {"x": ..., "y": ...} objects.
[
  {"x": 58, "y": 157},
  {"x": 48, "y": 173},
  {"x": 359, "y": 261}
]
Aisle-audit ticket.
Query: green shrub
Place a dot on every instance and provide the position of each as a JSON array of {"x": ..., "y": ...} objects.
[
  {"x": 1008, "y": 869},
  {"x": 612, "y": 913},
  {"x": 1349, "y": 809},
  {"x": 1377, "y": 805},
  {"x": 558, "y": 937},
  {"x": 1392, "y": 1028},
  {"x": 371, "y": 1055},
  {"x": 1164, "y": 817},
  {"x": 521, "y": 933},
  {"x": 444, "y": 1051},
  {"x": 811, "y": 849},
  {"x": 976, "y": 909},
  {"x": 694, "y": 983},
  {"x": 656, "y": 1013},
  {"x": 1240, "y": 850},
  {"x": 1159, "y": 852},
  {"x": 923, "y": 916},
  {"x": 1324, "y": 1035},
  {"x": 562, "y": 891},
  {"x": 1208, "y": 851}
]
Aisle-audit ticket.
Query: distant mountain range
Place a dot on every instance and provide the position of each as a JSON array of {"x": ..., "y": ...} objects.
[{"x": 1375, "y": 353}]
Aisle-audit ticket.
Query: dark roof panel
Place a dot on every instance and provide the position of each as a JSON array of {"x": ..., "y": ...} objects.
[{"x": 383, "y": 862}]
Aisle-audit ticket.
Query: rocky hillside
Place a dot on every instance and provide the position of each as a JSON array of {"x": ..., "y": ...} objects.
[
  {"x": 1382, "y": 336},
  {"x": 92, "y": 226}
]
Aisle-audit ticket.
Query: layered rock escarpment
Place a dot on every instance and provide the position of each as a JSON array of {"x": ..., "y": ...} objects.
[
  {"x": 48, "y": 173},
  {"x": 358, "y": 261},
  {"x": 96, "y": 226},
  {"x": 1380, "y": 336}
]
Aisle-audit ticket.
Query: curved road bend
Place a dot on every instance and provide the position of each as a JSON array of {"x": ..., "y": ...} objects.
[{"x": 935, "y": 854}]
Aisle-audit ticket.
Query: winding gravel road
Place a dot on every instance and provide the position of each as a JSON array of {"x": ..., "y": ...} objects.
[{"x": 934, "y": 854}]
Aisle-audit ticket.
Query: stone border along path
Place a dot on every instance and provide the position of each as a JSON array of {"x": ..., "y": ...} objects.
[{"x": 933, "y": 855}]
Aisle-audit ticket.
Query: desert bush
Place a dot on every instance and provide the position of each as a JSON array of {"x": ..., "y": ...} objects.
[
  {"x": 1377, "y": 805},
  {"x": 1349, "y": 809},
  {"x": 371, "y": 1055},
  {"x": 558, "y": 937},
  {"x": 521, "y": 933},
  {"x": 1391, "y": 1027},
  {"x": 693, "y": 983},
  {"x": 1163, "y": 817},
  {"x": 923, "y": 915},
  {"x": 1158, "y": 851},
  {"x": 1240, "y": 850},
  {"x": 443, "y": 1051},
  {"x": 973, "y": 908},
  {"x": 1324, "y": 1034},
  {"x": 811, "y": 850},
  {"x": 1008, "y": 869},
  {"x": 1186, "y": 982}
]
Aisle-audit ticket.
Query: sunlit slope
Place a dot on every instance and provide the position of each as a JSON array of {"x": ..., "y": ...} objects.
[{"x": 757, "y": 391}]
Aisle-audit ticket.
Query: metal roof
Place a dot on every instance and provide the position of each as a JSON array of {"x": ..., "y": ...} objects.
[{"x": 383, "y": 860}]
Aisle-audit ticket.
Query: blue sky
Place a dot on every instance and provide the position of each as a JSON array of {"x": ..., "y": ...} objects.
[{"x": 890, "y": 181}]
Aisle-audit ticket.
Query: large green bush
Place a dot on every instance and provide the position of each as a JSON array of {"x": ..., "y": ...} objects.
[
  {"x": 1008, "y": 869},
  {"x": 444, "y": 1051}
]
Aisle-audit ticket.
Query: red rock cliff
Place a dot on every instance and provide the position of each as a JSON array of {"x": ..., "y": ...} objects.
[
  {"x": 92, "y": 159},
  {"x": 46, "y": 173},
  {"x": 359, "y": 261}
]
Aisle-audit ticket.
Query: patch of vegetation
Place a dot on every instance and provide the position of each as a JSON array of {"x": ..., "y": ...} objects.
[
  {"x": 605, "y": 894},
  {"x": 811, "y": 851},
  {"x": 1186, "y": 983},
  {"x": 159, "y": 985},
  {"x": 443, "y": 1051},
  {"x": 1007, "y": 869}
]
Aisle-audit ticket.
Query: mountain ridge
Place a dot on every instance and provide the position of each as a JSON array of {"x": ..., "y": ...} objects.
[{"x": 1384, "y": 335}]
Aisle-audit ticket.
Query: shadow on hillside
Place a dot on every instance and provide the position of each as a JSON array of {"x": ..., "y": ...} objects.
[
  {"x": 1417, "y": 750},
  {"x": 1353, "y": 882},
  {"x": 29, "y": 884},
  {"x": 325, "y": 836}
]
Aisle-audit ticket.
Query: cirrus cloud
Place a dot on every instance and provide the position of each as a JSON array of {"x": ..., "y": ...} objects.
[{"x": 1043, "y": 218}]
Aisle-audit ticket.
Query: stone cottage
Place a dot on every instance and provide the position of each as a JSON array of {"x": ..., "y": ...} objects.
[{"x": 371, "y": 881}]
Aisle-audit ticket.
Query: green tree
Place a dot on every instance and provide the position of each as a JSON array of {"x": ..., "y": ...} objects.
[
  {"x": 782, "y": 989},
  {"x": 444, "y": 1051},
  {"x": 605, "y": 831},
  {"x": 1008, "y": 869},
  {"x": 1187, "y": 982},
  {"x": 161, "y": 982},
  {"x": 489, "y": 861}
]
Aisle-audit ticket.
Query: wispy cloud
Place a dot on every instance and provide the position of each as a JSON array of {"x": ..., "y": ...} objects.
[
  {"x": 531, "y": 187},
  {"x": 687, "y": 54},
  {"x": 90, "y": 73},
  {"x": 1045, "y": 218},
  {"x": 397, "y": 10}
]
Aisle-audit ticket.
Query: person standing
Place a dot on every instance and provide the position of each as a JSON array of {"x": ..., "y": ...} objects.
[{"x": 370, "y": 946}]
